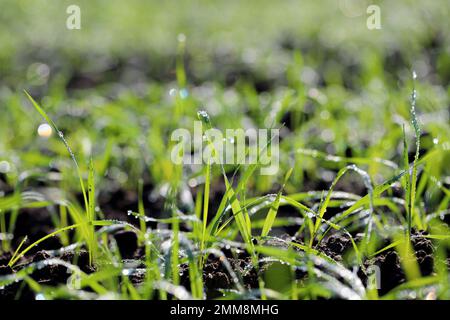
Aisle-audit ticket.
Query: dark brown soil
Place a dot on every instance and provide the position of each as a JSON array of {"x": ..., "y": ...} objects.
[
  {"x": 389, "y": 261},
  {"x": 50, "y": 275},
  {"x": 391, "y": 270},
  {"x": 217, "y": 277}
]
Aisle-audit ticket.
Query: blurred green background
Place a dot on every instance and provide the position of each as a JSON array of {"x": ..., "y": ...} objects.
[{"x": 258, "y": 34}]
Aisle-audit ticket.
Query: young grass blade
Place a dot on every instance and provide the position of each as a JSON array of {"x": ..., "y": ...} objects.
[
  {"x": 18, "y": 256},
  {"x": 376, "y": 192},
  {"x": 241, "y": 217},
  {"x": 214, "y": 224},
  {"x": 412, "y": 195},
  {"x": 17, "y": 251},
  {"x": 324, "y": 205},
  {"x": 61, "y": 136},
  {"x": 274, "y": 208},
  {"x": 141, "y": 209},
  {"x": 54, "y": 233},
  {"x": 407, "y": 179},
  {"x": 180, "y": 69},
  {"x": 91, "y": 192},
  {"x": 91, "y": 211},
  {"x": 408, "y": 259},
  {"x": 205, "y": 204}
]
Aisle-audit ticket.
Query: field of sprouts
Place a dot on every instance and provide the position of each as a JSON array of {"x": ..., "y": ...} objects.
[{"x": 116, "y": 118}]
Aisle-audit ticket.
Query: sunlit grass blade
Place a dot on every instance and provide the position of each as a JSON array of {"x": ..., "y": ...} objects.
[
  {"x": 12, "y": 262},
  {"x": 271, "y": 215},
  {"x": 241, "y": 216},
  {"x": 412, "y": 194},
  {"x": 408, "y": 259},
  {"x": 205, "y": 205},
  {"x": 61, "y": 136},
  {"x": 376, "y": 192},
  {"x": 175, "y": 252},
  {"x": 141, "y": 209},
  {"x": 92, "y": 243},
  {"x": 324, "y": 204},
  {"x": 13, "y": 257},
  {"x": 214, "y": 224},
  {"x": 407, "y": 180}
]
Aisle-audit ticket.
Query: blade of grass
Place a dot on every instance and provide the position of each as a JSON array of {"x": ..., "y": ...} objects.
[
  {"x": 17, "y": 250},
  {"x": 412, "y": 195},
  {"x": 271, "y": 215},
  {"x": 48, "y": 236},
  {"x": 61, "y": 136},
  {"x": 242, "y": 219},
  {"x": 407, "y": 179},
  {"x": 324, "y": 205},
  {"x": 205, "y": 206},
  {"x": 91, "y": 212},
  {"x": 141, "y": 209}
]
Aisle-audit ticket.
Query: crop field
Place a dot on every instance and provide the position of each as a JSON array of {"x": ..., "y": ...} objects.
[{"x": 236, "y": 150}]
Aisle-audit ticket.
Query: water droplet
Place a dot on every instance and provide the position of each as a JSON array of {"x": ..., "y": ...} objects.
[
  {"x": 435, "y": 140},
  {"x": 44, "y": 130},
  {"x": 192, "y": 182},
  {"x": 184, "y": 93},
  {"x": 5, "y": 167},
  {"x": 40, "y": 296},
  {"x": 414, "y": 75},
  {"x": 203, "y": 116},
  {"x": 172, "y": 92},
  {"x": 38, "y": 73},
  {"x": 181, "y": 37}
]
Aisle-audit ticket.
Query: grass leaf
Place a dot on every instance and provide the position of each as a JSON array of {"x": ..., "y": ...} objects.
[{"x": 274, "y": 208}]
